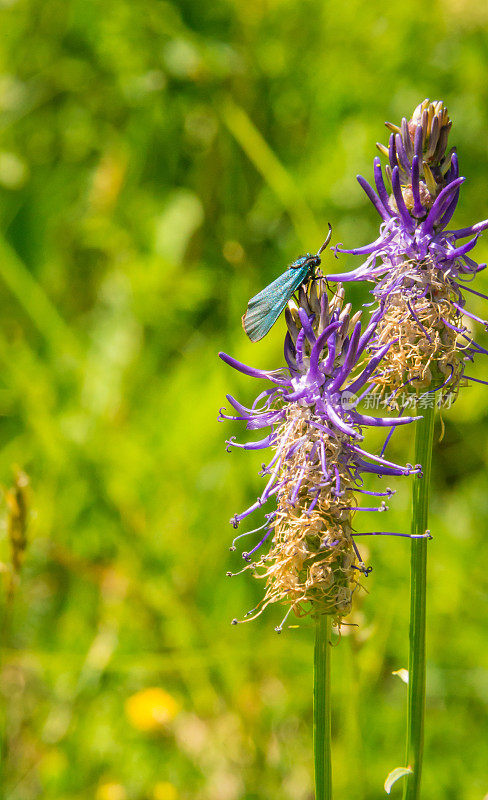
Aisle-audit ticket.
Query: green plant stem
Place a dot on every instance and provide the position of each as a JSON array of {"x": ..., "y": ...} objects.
[
  {"x": 418, "y": 573},
  {"x": 321, "y": 709}
]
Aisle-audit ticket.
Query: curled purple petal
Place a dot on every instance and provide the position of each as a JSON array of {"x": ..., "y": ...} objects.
[
  {"x": 440, "y": 205},
  {"x": 418, "y": 208},
  {"x": 402, "y": 156},
  {"x": 418, "y": 143},
  {"x": 381, "y": 188},
  {"x": 470, "y": 230},
  {"x": 402, "y": 208},
  {"x": 373, "y": 197},
  {"x": 254, "y": 373}
]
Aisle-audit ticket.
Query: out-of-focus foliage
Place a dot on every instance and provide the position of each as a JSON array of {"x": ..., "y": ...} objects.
[{"x": 159, "y": 163}]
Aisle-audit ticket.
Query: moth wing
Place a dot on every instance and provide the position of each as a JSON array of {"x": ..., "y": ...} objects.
[{"x": 264, "y": 308}]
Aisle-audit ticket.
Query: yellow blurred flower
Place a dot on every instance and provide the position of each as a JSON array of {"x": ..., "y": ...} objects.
[
  {"x": 151, "y": 709},
  {"x": 165, "y": 791},
  {"x": 111, "y": 791}
]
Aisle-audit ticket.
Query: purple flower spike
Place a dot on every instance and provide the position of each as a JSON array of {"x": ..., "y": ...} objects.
[
  {"x": 315, "y": 424},
  {"x": 416, "y": 265}
]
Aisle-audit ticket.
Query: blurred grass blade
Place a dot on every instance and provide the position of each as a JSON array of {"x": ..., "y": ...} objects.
[
  {"x": 273, "y": 172},
  {"x": 35, "y": 302},
  {"x": 395, "y": 775}
]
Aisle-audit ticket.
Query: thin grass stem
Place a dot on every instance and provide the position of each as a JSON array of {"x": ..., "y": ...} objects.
[
  {"x": 321, "y": 709},
  {"x": 418, "y": 574},
  {"x": 274, "y": 173}
]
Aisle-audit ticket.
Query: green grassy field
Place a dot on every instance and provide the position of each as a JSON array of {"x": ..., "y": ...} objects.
[{"x": 159, "y": 163}]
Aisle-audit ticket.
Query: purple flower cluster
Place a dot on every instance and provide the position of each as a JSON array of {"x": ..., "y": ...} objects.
[
  {"x": 314, "y": 426},
  {"x": 419, "y": 269}
]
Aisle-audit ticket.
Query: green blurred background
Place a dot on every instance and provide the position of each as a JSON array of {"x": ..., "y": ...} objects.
[{"x": 159, "y": 163}]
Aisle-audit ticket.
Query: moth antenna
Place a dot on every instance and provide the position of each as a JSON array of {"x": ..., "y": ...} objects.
[{"x": 326, "y": 241}]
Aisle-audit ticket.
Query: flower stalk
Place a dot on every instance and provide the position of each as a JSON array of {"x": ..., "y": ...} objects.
[
  {"x": 322, "y": 709},
  {"x": 418, "y": 595}
]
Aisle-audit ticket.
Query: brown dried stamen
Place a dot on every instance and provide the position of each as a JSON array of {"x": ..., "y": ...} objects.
[
  {"x": 310, "y": 565},
  {"x": 425, "y": 351}
]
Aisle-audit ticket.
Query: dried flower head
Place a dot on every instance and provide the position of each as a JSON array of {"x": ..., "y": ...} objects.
[
  {"x": 315, "y": 473},
  {"x": 418, "y": 267}
]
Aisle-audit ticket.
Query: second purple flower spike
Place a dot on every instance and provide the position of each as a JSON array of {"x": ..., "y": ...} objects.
[{"x": 420, "y": 268}]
